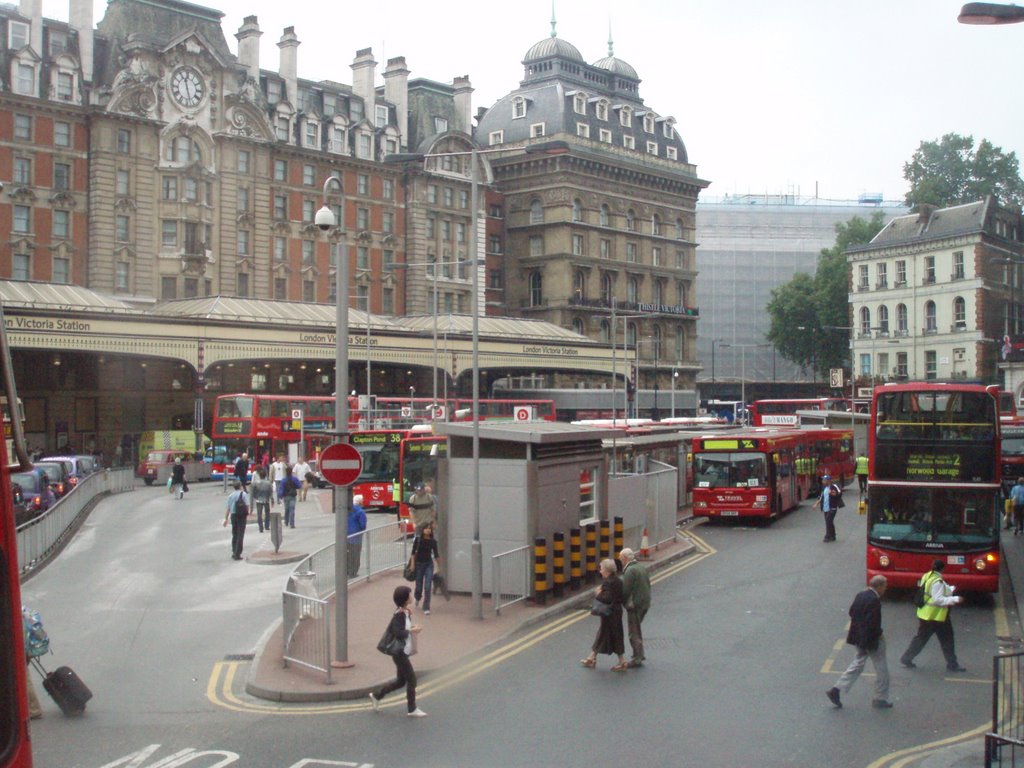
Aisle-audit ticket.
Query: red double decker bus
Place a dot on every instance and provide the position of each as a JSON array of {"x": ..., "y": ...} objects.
[
  {"x": 826, "y": 452},
  {"x": 934, "y": 490},
  {"x": 751, "y": 474},
  {"x": 782, "y": 413}
]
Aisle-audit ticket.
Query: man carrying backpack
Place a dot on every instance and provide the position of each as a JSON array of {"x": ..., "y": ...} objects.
[
  {"x": 238, "y": 513},
  {"x": 830, "y": 502},
  {"x": 933, "y": 619}
]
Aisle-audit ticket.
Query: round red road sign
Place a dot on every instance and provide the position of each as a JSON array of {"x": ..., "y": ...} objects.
[{"x": 340, "y": 464}]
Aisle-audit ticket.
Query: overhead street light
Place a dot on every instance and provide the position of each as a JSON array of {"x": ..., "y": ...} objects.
[{"x": 990, "y": 13}]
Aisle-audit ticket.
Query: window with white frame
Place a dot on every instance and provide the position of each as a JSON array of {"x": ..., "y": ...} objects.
[
  {"x": 518, "y": 107},
  {"x": 380, "y": 117},
  {"x": 930, "y": 321},
  {"x": 273, "y": 91},
  {"x": 626, "y": 117},
  {"x": 17, "y": 34},
  {"x": 243, "y": 200},
  {"x": 362, "y": 184},
  {"x": 184, "y": 151},
  {"x": 604, "y": 136},
  {"x": 901, "y": 319},
  {"x": 666, "y": 129},
  {"x": 365, "y": 145},
  {"x": 583, "y": 130},
  {"x": 280, "y": 170},
  {"x": 362, "y": 219},
  {"x": 601, "y": 110},
  {"x": 865, "y": 321},
  {"x": 22, "y": 171},
  {"x": 169, "y": 233},
  {"x": 21, "y": 267},
  {"x": 649, "y": 123},
  {"x": 931, "y": 364},
  {"x": 25, "y": 79},
  {"x": 282, "y": 128},
  {"x": 656, "y": 256},
  {"x": 579, "y": 103},
  {"x": 901, "y": 364},
  {"x": 23, "y": 130},
  {"x": 387, "y": 189},
  {"x": 61, "y": 225},
  {"x": 929, "y": 269},
  {"x": 496, "y": 137},
  {"x": 959, "y": 313},
  {"x": 387, "y": 222},
  {"x": 671, "y": 153},
  {"x": 901, "y": 273},
  {"x": 65, "y": 86},
  {"x": 61, "y": 176},
  {"x": 448, "y": 197},
  {"x": 652, "y": 147},
  {"x": 536, "y": 130},
  {"x": 958, "y": 265},
  {"x": 281, "y": 207},
  {"x": 463, "y": 199},
  {"x": 883, "y": 320},
  {"x": 337, "y": 141},
  {"x": 882, "y": 275},
  {"x": 629, "y": 142},
  {"x": 536, "y": 288},
  {"x": 61, "y": 133},
  {"x": 656, "y": 225},
  {"x": 865, "y": 364},
  {"x": 862, "y": 272},
  {"x": 577, "y": 209},
  {"x": 607, "y": 288},
  {"x": 22, "y": 222},
  {"x": 460, "y": 232},
  {"x": 308, "y": 174}
]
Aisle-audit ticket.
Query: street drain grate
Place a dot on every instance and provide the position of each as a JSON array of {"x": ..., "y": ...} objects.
[{"x": 240, "y": 657}]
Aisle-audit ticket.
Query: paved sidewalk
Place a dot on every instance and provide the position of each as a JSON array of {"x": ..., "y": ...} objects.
[{"x": 450, "y": 635}]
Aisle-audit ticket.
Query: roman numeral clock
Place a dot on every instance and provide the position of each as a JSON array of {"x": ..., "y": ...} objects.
[{"x": 187, "y": 87}]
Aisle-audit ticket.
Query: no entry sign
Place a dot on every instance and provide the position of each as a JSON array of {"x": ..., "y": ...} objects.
[{"x": 340, "y": 464}]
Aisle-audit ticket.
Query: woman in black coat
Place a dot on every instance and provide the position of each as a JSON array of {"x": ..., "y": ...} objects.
[
  {"x": 403, "y": 629},
  {"x": 609, "y": 635}
]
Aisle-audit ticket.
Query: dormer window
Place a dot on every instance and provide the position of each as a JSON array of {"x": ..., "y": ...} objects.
[
  {"x": 626, "y": 117},
  {"x": 17, "y": 35},
  {"x": 25, "y": 79},
  {"x": 273, "y": 91},
  {"x": 579, "y": 103},
  {"x": 649, "y": 123},
  {"x": 282, "y": 127},
  {"x": 58, "y": 42},
  {"x": 536, "y": 130},
  {"x": 518, "y": 107},
  {"x": 652, "y": 147},
  {"x": 601, "y": 110},
  {"x": 496, "y": 137},
  {"x": 312, "y": 134},
  {"x": 380, "y": 116},
  {"x": 629, "y": 142},
  {"x": 583, "y": 130},
  {"x": 667, "y": 129},
  {"x": 671, "y": 153}
]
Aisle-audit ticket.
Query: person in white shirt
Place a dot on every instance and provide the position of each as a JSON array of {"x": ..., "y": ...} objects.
[
  {"x": 277, "y": 471},
  {"x": 300, "y": 470}
]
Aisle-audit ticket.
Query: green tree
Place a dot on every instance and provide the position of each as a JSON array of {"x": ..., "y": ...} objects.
[
  {"x": 951, "y": 171},
  {"x": 810, "y": 315}
]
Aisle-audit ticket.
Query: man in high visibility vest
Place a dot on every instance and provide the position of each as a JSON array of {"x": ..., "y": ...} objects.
[
  {"x": 862, "y": 472},
  {"x": 933, "y": 619}
]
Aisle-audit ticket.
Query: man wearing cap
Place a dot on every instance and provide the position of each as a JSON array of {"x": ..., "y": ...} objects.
[
  {"x": 636, "y": 595},
  {"x": 829, "y": 502},
  {"x": 356, "y": 526},
  {"x": 933, "y": 619},
  {"x": 422, "y": 507}
]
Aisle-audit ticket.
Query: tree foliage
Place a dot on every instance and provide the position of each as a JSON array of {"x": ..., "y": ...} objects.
[
  {"x": 810, "y": 315},
  {"x": 951, "y": 171}
]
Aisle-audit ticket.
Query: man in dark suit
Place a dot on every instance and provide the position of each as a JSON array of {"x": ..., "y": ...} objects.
[{"x": 866, "y": 635}]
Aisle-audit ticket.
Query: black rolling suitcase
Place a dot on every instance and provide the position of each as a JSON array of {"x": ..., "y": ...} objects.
[{"x": 65, "y": 688}]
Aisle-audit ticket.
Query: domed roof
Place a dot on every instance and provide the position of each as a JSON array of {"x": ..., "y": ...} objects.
[
  {"x": 552, "y": 46},
  {"x": 617, "y": 67}
]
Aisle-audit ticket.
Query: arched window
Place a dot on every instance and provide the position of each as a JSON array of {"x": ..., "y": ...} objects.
[
  {"x": 536, "y": 289},
  {"x": 184, "y": 151},
  {"x": 577, "y": 210},
  {"x": 680, "y": 345},
  {"x": 606, "y": 288},
  {"x": 631, "y": 335},
  {"x": 606, "y": 331},
  {"x": 659, "y": 292},
  {"x": 865, "y": 321},
  {"x": 959, "y": 313},
  {"x": 656, "y": 340},
  {"x": 536, "y": 212},
  {"x": 632, "y": 290},
  {"x": 656, "y": 224},
  {"x": 930, "y": 323},
  {"x": 883, "y": 319},
  {"x": 631, "y": 220},
  {"x": 606, "y": 216},
  {"x": 579, "y": 285},
  {"x": 681, "y": 294},
  {"x": 901, "y": 319},
  {"x": 577, "y": 325}
]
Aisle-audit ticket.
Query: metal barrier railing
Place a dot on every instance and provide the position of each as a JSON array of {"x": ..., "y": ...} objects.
[
  {"x": 1006, "y": 741},
  {"x": 306, "y": 597},
  {"x": 511, "y": 575},
  {"x": 38, "y": 539}
]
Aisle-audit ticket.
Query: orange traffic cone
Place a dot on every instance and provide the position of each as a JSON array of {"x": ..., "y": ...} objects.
[{"x": 645, "y": 547}]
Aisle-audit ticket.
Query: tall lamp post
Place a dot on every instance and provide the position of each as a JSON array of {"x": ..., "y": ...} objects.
[
  {"x": 342, "y": 496},
  {"x": 675, "y": 375}
]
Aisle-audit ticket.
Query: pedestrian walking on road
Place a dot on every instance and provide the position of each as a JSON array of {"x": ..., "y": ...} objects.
[
  {"x": 287, "y": 491},
  {"x": 861, "y": 470},
  {"x": 402, "y": 628},
  {"x": 301, "y": 470},
  {"x": 933, "y": 619},
  {"x": 609, "y": 637},
  {"x": 356, "y": 526},
  {"x": 277, "y": 472},
  {"x": 178, "y": 484},
  {"x": 262, "y": 498},
  {"x": 636, "y": 595},
  {"x": 424, "y": 556},
  {"x": 1017, "y": 497},
  {"x": 866, "y": 635},
  {"x": 829, "y": 502},
  {"x": 242, "y": 471},
  {"x": 238, "y": 513}
]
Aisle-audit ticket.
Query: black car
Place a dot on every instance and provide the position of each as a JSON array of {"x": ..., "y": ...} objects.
[
  {"x": 32, "y": 494},
  {"x": 59, "y": 474}
]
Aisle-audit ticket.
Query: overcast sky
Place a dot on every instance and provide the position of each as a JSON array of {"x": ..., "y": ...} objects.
[{"x": 771, "y": 96}]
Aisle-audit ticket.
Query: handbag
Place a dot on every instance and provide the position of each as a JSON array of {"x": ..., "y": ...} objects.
[
  {"x": 409, "y": 573},
  {"x": 390, "y": 645},
  {"x": 600, "y": 609},
  {"x": 170, "y": 480}
]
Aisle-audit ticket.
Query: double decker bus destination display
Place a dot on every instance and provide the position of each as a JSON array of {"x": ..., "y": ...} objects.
[{"x": 946, "y": 464}]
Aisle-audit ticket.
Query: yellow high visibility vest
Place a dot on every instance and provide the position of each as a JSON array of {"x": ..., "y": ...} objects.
[
  {"x": 929, "y": 612},
  {"x": 862, "y": 465}
]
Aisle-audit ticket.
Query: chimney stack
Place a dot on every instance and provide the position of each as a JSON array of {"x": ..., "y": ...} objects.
[
  {"x": 363, "y": 72},
  {"x": 80, "y": 17},
  {"x": 289, "y": 65},
  {"x": 396, "y": 91},
  {"x": 248, "y": 37},
  {"x": 33, "y": 10},
  {"x": 463, "y": 104}
]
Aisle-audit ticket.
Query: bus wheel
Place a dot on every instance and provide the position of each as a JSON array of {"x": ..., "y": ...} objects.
[{"x": 147, "y": 480}]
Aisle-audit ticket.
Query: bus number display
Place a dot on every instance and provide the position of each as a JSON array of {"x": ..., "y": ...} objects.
[
  {"x": 911, "y": 463},
  {"x": 233, "y": 428}
]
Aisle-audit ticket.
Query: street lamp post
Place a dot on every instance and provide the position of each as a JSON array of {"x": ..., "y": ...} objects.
[
  {"x": 342, "y": 496},
  {"x": 675, "y": 375}
]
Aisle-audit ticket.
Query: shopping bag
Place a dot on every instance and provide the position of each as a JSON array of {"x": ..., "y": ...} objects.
[{"x": 169, "y": 489}]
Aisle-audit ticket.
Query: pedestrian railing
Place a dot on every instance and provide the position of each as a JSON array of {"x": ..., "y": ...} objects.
[
  {"x": 40, "y": 538},
  {"x": 306, "y": 630},
  {"x": 1006, "y": 741},
  {"x": 511, "y": 575}
]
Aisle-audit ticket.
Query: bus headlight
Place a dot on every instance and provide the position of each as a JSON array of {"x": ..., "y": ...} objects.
[
  {"x": 984, "y": 562},
  {"x": 883, "y": 561}
]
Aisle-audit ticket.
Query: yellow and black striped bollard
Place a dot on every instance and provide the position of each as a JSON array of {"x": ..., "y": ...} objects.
[
  {"x": 575, "y": 557},
  {"x": 558, "y": 563},
  {"x": 591, "y": 551},
  {"x": 606, "y": 539},
  {"x": 540, "y": 570},
  {"x": 619, "y": 536}
]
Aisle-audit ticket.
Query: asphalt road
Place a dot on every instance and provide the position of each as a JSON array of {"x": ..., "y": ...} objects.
[{"x": 743, "y": 639}]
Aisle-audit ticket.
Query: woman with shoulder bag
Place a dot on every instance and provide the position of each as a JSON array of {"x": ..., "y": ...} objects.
[
  {"x": 610, "y": 638},
  {"x": 402, "y": 628}
]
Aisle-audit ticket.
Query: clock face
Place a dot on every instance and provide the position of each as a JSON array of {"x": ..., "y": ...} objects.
[{"x": 187, "y": 87}]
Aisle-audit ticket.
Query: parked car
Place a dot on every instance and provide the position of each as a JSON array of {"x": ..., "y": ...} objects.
[
  {"x": 32, "y": 494},
  {"x": 60, "y": 477},
  {"x": 149, "y": 467},
  {"x": 79, "y": 465}
]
